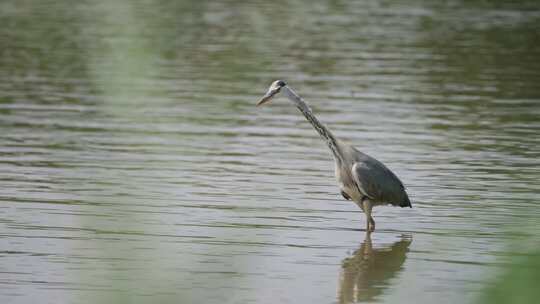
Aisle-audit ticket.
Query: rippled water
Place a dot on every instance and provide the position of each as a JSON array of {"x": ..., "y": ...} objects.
[{"x": 134, "y": 166}]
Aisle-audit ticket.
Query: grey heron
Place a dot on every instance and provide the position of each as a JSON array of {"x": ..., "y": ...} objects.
[{"x": 361, "y": 178}]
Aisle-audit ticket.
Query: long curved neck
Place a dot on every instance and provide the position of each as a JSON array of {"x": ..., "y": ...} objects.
[{"x": 323, "y": 131}]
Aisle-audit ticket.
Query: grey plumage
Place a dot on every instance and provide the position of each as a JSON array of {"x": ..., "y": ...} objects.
[
  {"x": 362, "y": 178},
  {"x": 377, "y": 182}
]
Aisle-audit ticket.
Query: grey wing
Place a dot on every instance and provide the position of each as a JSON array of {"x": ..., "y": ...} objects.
[{"x": 379, "y": 184}]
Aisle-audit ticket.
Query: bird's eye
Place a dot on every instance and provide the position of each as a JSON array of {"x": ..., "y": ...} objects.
[{"x": 281, "y": 83}]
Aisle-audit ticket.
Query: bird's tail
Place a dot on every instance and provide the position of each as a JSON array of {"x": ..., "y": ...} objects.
[{"x": 406, "y": 202}]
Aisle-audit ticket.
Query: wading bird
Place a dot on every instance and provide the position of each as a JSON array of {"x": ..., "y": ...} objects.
[{"x": 361, "y": 177}]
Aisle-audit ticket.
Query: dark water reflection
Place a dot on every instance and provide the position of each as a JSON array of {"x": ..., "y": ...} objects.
[
  {"x": 135, "y": 167},
  {"x": 369, "y": 270}
]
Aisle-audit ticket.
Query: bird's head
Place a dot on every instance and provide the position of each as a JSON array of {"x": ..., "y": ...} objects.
[{"x": 275, "y": 87}]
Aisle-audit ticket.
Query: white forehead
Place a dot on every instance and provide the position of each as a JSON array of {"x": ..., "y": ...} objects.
[{"x": 275, "y": 84}]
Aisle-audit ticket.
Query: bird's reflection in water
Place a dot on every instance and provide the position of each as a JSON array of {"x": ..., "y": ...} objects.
[{"x": 366, "y": 273}]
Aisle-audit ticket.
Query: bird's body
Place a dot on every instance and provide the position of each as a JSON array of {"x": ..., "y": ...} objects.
[{"x": 362, "y": 178}]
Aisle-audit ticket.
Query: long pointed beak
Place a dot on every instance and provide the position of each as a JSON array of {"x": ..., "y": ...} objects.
[{"x": 267, "y": 97}]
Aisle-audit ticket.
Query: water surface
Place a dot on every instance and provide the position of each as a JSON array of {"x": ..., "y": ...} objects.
[{"x": 134, "y": 166}]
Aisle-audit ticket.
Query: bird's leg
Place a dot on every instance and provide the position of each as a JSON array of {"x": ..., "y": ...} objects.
[{"x": 370, "y": 222}]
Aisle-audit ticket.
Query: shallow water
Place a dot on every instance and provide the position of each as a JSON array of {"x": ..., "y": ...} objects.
[{"x": 134, "y": 166}]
